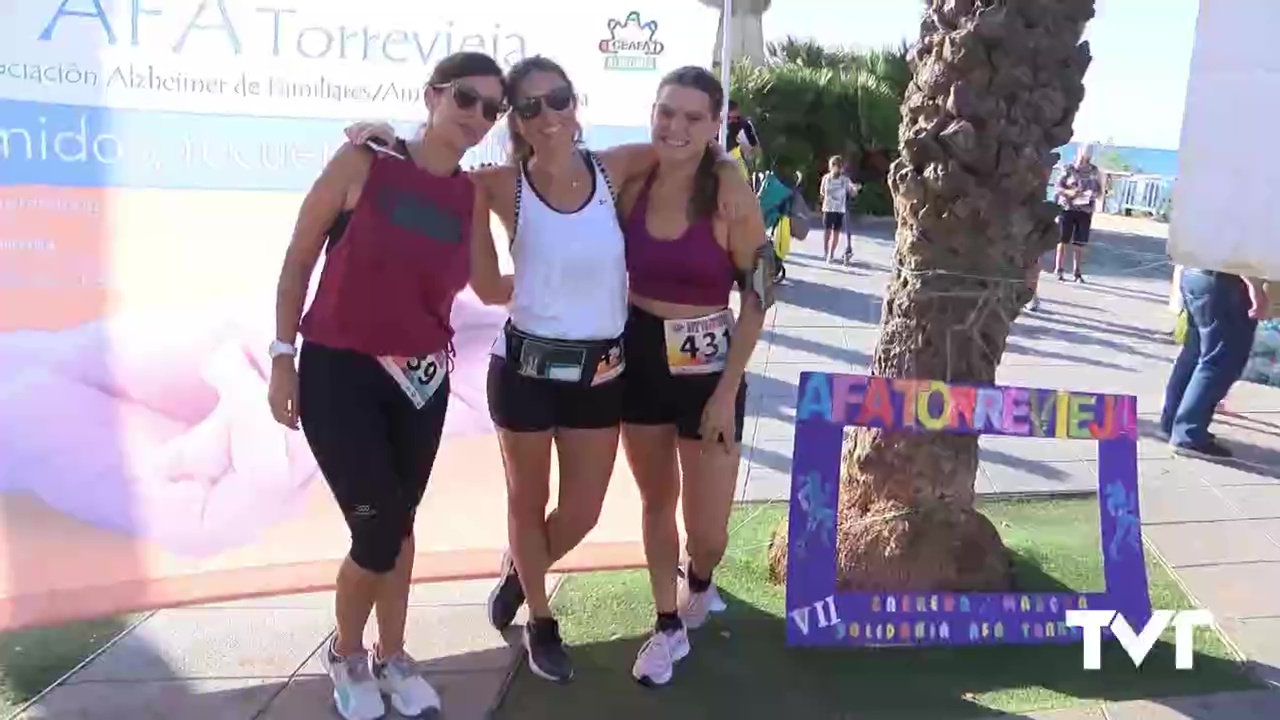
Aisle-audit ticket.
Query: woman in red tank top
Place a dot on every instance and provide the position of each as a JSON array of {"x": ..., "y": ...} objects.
[{"x": 371, "y": 387}]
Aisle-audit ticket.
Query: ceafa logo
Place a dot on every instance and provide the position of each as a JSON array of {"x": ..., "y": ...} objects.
[{"x": 630, "y": 45}]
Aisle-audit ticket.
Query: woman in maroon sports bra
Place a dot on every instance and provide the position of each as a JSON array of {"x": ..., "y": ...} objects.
[
  {"x": 684, "y": 391},
  {"x": 372, "y": 384}
]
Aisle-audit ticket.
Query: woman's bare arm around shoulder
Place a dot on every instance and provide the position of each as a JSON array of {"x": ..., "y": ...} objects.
[
  {"x": 628, "y": 163},
  {"x": 337, "y": 189},
  {"x": 498, "y": 184},
  {"x": 487, "y": 279}
]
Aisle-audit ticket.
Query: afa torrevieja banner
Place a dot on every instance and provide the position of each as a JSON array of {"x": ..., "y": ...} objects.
[{"x": 152, "y": 159}]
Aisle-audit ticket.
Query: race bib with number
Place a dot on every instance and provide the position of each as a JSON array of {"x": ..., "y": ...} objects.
[
  {"x": 698, "y": 346},
  {"x": 418, "y": 377}
]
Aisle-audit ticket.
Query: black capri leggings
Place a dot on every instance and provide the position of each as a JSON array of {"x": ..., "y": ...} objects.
[{"x": 375, "y": 449}]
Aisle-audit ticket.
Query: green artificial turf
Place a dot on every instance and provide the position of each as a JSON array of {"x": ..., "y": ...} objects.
[
  {"x": 740, "y": 667},
  {"x": 32, "y": 660}
]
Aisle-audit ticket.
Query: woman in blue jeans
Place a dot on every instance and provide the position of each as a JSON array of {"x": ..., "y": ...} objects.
[{"x": 1222, "y": 314}]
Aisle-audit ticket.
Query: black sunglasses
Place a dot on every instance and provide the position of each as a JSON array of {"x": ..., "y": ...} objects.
[
  {"x": 558, "y": 100},
  {"x": 466, "y": 97}
]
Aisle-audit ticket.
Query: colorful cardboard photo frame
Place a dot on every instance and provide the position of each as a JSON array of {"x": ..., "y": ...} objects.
[{"x": 819, "y": 615}]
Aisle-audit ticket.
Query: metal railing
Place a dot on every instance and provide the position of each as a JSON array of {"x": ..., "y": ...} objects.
[
  {"x": 1147, "y": 194},
  {"x": 1130, "y": 194}
]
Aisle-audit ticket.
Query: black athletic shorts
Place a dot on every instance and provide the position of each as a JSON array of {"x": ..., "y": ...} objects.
[
  {"x": 374, "y": 447},
  {"x": 533, "y": 402},
  {"x": 654, "y": 396},
  {"x": 1074, "y": 226},
  {"x": 833, "y": 220}
]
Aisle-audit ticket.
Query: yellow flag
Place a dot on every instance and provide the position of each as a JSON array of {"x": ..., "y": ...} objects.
[
  {"x": 742, "y": 162},
  {"x": 782, "y": 237}
]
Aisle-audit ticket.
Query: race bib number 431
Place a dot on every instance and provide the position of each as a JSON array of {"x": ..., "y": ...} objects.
[
  {"x": 698, "y": 346},
  {"x": 418, "y": 377}
]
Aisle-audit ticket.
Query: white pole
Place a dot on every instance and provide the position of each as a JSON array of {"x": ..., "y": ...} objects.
[{"x": 726, "y": 58}]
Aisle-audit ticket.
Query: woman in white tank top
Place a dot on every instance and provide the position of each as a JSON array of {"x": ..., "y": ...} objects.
[{"x": 555, "y": 371}]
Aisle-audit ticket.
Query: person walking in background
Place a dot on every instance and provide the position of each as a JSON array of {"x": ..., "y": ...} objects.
[
  {"x": 743, "y": 141},
  {"x": 785, "y": 214},
  {"x": 1223, "y": 311},
  {"x": 834, "y": 190},
  {"x": 1077, "y": 193}
]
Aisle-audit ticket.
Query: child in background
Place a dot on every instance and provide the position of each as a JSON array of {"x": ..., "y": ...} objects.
[{"x": 834, "y": 190}]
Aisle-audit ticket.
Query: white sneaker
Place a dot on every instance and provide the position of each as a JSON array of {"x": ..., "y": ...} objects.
[
  {"x": 1034, "y": 304},
  {"x": 411, "y": 695},
  {"x": 355, "y": 691},
  {"x": 657, "y": 658},
  {"x": 694, "y": 607},
  {"x": 715, "y": 603}
]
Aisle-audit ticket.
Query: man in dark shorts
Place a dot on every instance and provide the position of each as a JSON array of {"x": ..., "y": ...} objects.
[{"x": 1078, "y": 190}]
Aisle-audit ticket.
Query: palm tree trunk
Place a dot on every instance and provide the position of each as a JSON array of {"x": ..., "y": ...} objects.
[{"x": 996, "y": 87}]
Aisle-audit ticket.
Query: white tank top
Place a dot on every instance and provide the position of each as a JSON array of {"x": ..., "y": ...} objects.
[{"x": 570, "y": 268}]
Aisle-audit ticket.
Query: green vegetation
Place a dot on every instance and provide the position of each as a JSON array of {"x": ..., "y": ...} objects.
[
  {"x": 811, "y": 102},
  {"x": 740, "y": 666},
  {"x": 32, "y": 660}
]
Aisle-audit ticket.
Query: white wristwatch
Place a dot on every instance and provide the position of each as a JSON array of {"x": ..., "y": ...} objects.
[{"x": 280, "y": 348}]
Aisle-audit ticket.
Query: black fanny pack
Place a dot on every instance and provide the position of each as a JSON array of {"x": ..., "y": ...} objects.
[{"x": 581, "y": 362}]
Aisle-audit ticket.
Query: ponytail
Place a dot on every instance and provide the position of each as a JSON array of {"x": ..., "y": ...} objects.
[{"x": 706, "y": 186}]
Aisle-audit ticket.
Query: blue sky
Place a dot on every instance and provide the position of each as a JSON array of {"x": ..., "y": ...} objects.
[{"x": 1135, "y": 87}]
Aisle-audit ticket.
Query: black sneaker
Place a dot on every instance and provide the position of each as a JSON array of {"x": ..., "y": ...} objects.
[
  {"x": 1078, "y": 277},
  {"x": 507, "y": 596},
  {"x": 547, "y": 656},
  {"x": 1211, "y": 450}
]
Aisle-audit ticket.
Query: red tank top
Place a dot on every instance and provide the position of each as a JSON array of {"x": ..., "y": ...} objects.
[{"x": 388, "y": 285}]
